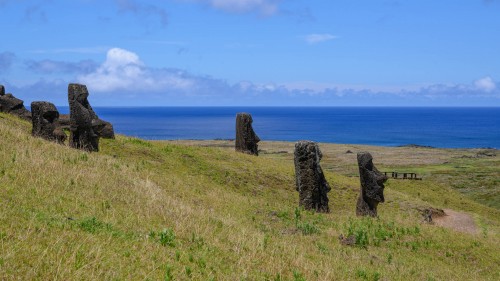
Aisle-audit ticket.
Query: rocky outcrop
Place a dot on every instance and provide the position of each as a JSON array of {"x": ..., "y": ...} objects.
[
  {"x": 82, "y": 116},
  {"x": 309, "y": 178},
  {"x": 246, "y": 139},
  {"x": 45, "y": 119},
  {"x": 372, "y": 186},
  {"x": 12, "y": 105}
]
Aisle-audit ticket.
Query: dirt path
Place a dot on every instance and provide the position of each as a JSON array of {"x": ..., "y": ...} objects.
[{"x": 461, "y": 222}]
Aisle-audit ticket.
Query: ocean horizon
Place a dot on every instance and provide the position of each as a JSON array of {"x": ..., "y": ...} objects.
[{"x": 441, "y": 127}]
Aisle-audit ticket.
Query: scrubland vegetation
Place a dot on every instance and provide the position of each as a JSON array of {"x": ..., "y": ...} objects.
[{"x": 142, "y": 210}]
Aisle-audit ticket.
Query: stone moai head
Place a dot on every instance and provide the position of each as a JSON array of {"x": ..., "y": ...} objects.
[
  {"x": 44, "y": 116},
  {"x": 12, "y": 105},
  {"x": 309, "y": 178},
  {"x": 246, "y": 139},
  {"x": 81, "y": 119},
  {"x": 372, "y": 186}
]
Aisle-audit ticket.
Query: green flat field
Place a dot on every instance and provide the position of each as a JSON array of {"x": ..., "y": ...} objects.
[{"x": 197, "y": 210}]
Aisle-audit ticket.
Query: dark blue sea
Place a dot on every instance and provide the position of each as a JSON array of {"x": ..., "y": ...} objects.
[{"x": 385, "y": 126}]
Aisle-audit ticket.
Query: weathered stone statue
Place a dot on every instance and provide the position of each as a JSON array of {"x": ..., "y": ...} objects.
[
  {"x": 372, "y": 186},
  {"x": 309, "y": 178},
  {"x": 82, "y": 133},
  {"x": 246, "y": 139},
  {"x": 102, "y": 128},
  {"x": 45, "y": 122},
  {"x": 12, "y": 105}
]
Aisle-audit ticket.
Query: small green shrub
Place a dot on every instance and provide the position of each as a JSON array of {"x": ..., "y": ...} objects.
[
  {"x": 93, "y": 225},
  {"x": 307, "y": 228},
  {"x": 166, "y": 237},
  {"x": 368, "y": 231},
  {"x": 297, "y": 276}
]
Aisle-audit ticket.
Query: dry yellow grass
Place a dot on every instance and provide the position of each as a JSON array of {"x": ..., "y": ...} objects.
[{"x": 162, "y": 210}]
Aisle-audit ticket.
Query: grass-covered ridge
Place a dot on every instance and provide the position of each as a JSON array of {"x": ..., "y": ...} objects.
[{"x": 167, "y": 211}]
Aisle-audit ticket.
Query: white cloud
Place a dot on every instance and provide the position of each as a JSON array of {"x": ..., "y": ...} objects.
[
  {"x": 123, "y": 70},
  {"x": 485, "y": 84},
  {"x": 264, "y": 7},
  {"x": 319, "y": 38}
]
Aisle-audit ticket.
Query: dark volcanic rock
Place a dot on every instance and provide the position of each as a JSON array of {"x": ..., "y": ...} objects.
[
  {"x": 12, "y": 105},
  {"x": 103, "y": 129},
  {"x": 45, "y": 122},
  {"x": 64, "y": 121},
  {"x": 429, "y": 213},
  {"x": 246, "y": 139},
  {"x": 372, "y": 186},
  {"x": 309, "y": 178},
  {"x": 82, "y": 134}
]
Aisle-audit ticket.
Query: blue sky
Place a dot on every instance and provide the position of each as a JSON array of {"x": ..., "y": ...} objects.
[{"x": 254, "y": 52}]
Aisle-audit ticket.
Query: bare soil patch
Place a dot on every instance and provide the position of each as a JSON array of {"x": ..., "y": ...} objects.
[{"x": 457, "y": 221}]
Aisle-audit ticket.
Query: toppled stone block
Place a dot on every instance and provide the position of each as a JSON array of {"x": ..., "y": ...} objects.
[
  {"x": 45, "y": 119},
  {"x": 103, "y": 129},
  {"x": 82, "y": 135},
  {"x": 309, "y": 178},
  {"x": 372, "y": 186},
  {"x": 12, "y": 105},
  {"x": 246, "y": 139}
]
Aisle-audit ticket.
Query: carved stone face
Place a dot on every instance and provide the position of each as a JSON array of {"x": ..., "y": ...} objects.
[
  {"x": 372, "y": 181},
  {"x": 309, "y": 178},
  {"x": 45, "y": 121},
  {"x": 82, "y": 117},
  {"x": 246, "y": 138}
]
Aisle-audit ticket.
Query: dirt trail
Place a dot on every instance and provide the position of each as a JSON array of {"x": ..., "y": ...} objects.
[{"x": 461, "y": 222}]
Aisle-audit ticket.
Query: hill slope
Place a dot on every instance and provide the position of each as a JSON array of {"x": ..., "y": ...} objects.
[{"x": 158, "y": 210}]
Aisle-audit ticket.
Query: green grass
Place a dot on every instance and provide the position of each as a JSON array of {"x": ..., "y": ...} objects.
[{"x": 162, "y": 211}]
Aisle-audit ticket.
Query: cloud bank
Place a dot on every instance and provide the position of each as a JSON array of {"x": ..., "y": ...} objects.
[
  {"x": 485, "y": 84},
  {"x": 52, "y": 66},
  {"x": 124, "y": 79}
]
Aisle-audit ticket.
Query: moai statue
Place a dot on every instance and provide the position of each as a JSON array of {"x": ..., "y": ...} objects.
[
  {"x": 82, "y": 135},
  {"x": 45, "y": 122},
  {"x": 372, "y": 186},
  {"x": 12, "y": 105},
  {"x": 246, "y": 139},
  {"x": 309, "y": 178}
]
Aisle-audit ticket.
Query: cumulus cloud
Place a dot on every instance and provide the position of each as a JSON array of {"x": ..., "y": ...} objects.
[
  {"x": 485, "y": 84},
  {"x": 123, "y": 70},
  {"x": 319, "y": 38},
  {"x": 52, "y": 66},
  {"x": 6, "y": 60},
  {"x": 264, "y": 7}
]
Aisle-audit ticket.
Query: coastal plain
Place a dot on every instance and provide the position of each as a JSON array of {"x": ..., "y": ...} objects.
[{"x": 198, "y": 210}]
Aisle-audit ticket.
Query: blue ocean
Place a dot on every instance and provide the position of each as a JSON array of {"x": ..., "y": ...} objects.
[{"x": 384, "y": 126}]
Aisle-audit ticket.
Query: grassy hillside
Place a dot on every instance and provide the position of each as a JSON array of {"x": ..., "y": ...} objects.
[{"x": 168, "y": 211}]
